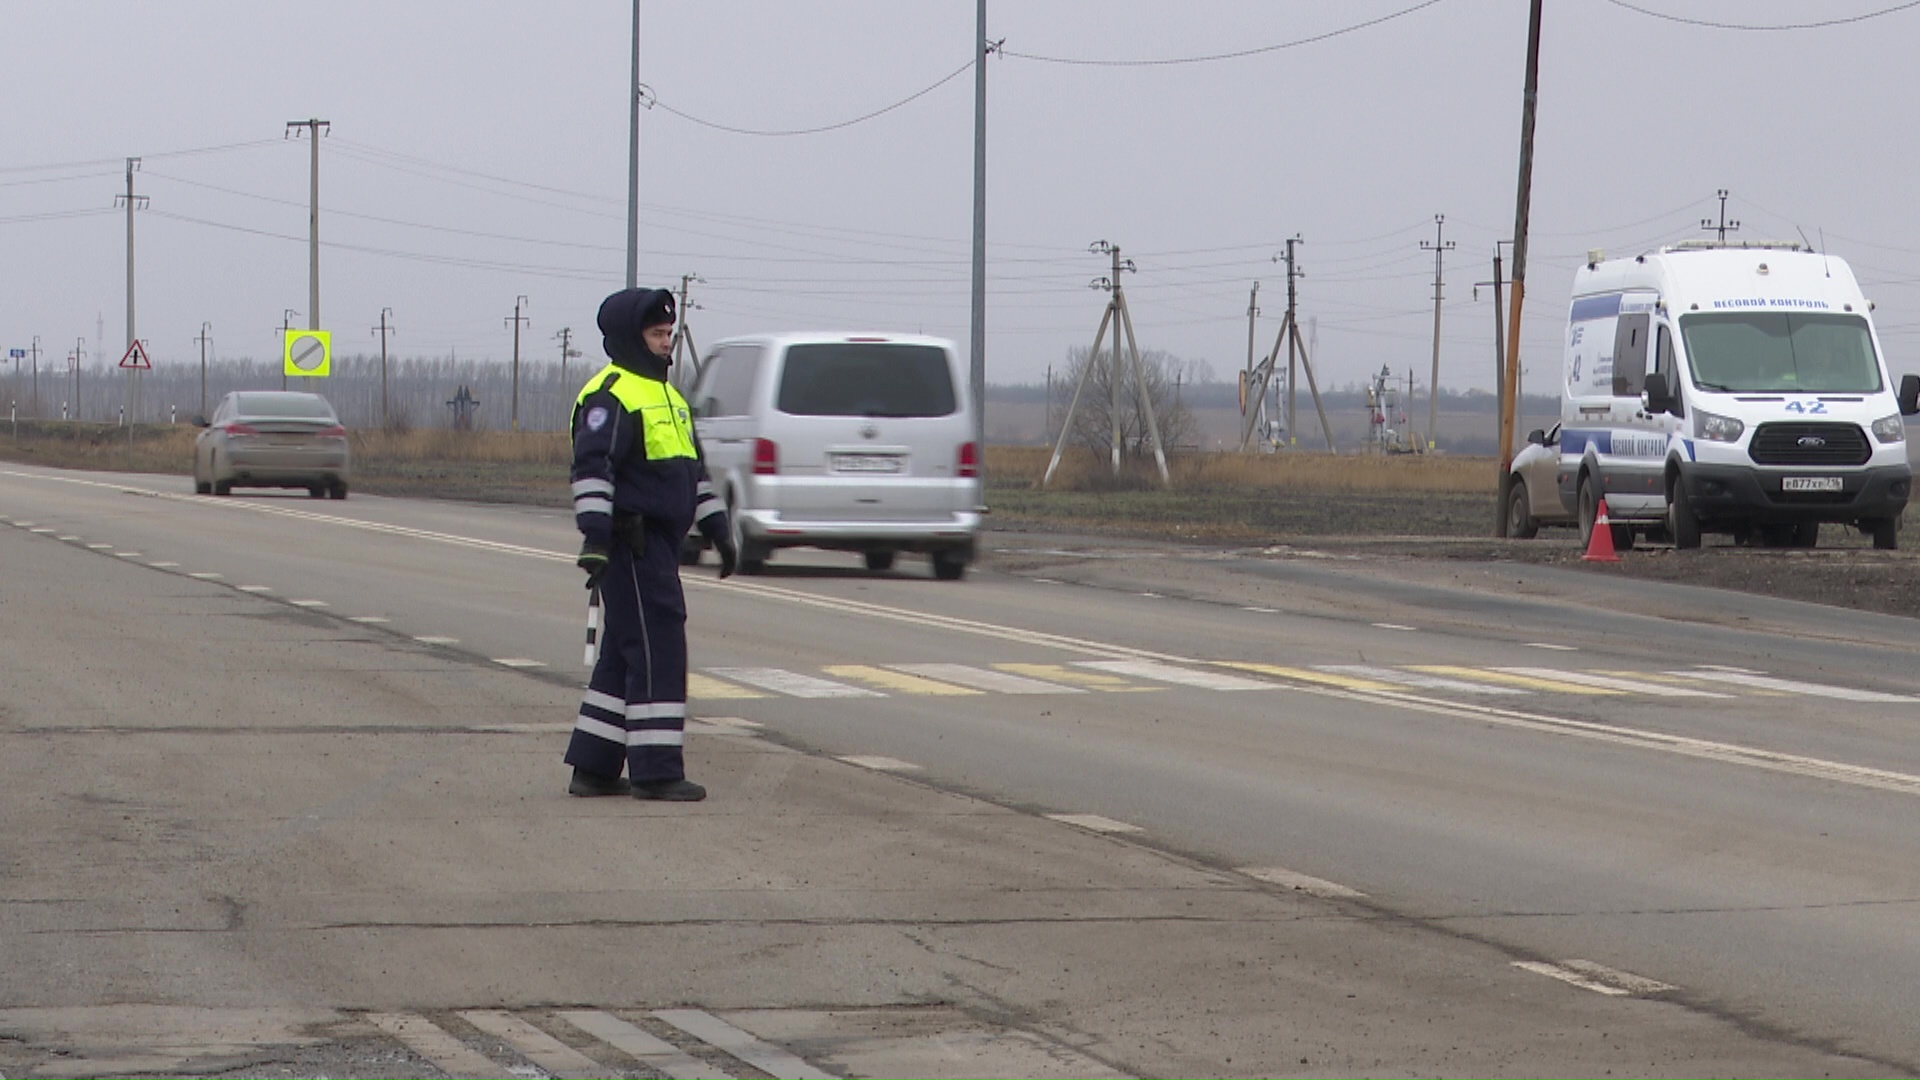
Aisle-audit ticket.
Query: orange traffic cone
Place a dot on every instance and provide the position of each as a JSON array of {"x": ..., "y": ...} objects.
[{"x": 1600, "y": 544}]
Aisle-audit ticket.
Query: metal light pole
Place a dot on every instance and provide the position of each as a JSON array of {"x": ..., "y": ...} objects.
[
  {"x": 977, "y": 363},
  {"x": 633, "y": 159}
]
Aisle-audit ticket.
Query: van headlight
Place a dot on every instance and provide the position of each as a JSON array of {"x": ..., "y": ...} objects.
[
  {"x": 1890, "y": 429},
  {"x": 1707, "y": 425}
]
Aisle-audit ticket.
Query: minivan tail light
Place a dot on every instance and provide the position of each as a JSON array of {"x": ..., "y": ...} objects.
[
  {"x": 766, "y": 458},
  {"x": 234, "y": 427},
  {"x": 969, "y": 461}
]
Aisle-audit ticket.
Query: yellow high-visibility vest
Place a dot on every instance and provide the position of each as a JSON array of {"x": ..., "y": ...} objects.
[{"x": 664, "y": 419}]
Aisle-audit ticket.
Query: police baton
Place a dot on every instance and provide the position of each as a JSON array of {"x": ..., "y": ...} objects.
[{"x": 593, "y": 626}]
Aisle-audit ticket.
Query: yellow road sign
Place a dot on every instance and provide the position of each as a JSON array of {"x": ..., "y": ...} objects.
[{"x": 309, "y": 353}]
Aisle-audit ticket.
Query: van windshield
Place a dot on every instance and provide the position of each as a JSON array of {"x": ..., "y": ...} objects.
[
  {"x": 1781, "y": 352},
  {"x": 866, "y": 379}
]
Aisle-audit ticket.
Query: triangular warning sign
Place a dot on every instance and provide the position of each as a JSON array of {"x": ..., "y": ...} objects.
[{"x": 137, "y": 357}]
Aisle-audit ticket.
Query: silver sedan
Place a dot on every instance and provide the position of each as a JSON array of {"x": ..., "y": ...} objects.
[{"x": 271, "y": 438}]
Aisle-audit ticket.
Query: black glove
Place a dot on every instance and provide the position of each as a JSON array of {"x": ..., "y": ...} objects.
[
  {"x": 594, "y": 561},
  {"x": 729, "y": 555}
]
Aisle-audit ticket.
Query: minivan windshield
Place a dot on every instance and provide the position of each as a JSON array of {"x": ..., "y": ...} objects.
[
  {"x": 855, "y": 378},
  {"x": 1781, "y": 352}
]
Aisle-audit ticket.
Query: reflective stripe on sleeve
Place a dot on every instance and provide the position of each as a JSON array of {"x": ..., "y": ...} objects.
[
  {"x": 593, "y": 504},
  {"x": 716, "y": 508},
  {"x": 605, "y": 701},
  {"x": 656, "y": 738},
  {"x": 592, "y": 486},
  {"x": 657, "y": 710},
  {"x": 704, "y": 490}
]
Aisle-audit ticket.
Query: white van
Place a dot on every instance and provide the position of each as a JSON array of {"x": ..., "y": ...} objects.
[
  {"x": 851, "y": 442},
  {"x": 1730, "y": 387}
]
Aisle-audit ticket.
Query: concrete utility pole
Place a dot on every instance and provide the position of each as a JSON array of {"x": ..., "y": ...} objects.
[
  {"x": 1296, "y": 351},
  {"x": 685, "y": 376},
  {"x": 515, "y": 321},
  {"x": 383, "y": 330},
  {"x": 1724, "y": 227},
  {"x": 1118, "y": 317},
  {"x": 287, "y": 316},
  {"x": 1516, "y": 302},
  {"x": 1294, "y": 274},
  {"x": 1499, "y": 337},
  {"x": 314, "y": 128},
  {"x": 36, "y": 376},
  {"x": 203, "y": 339},
  {"x": 633, "y": 160},
  {"x": 566, "y": 350},
  {"x": 1439, "y": 249},
  {"x": 132, "y": 201},
  {"x": 1246, "y": 376},
  {"x": 977, "y": 348},
  {"x": 74, "y": 360}
]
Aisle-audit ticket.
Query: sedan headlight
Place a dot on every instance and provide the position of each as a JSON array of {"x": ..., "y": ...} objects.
[
  {"x": 1890, "y": 429},
  {"x": 1726, "y": 429}
]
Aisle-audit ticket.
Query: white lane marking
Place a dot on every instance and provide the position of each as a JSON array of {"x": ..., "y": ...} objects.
[
  {"x": 1392, "y": 626},
  {"x": 69, "y": 539},
  {"x": 1415, "y": 679},
  {"x": 517, "y": 662},
  {"x": 308, "y": 603},
  {"x": 1178, "y": 676},
  {"x": 791, "y": 683},
  {"x": 556, "y": 1057},
  {"x": 425, "y": 1038},
  {"x": 129, "y": 554},
  {"x": 733, "y": 722},
  {"x": 24, "y": 524},
  {"x": 1789, "y": 686},
  {"x": 205, "y": 575},
  {"x": 1150, "y": 595},
  {"x": 370, "y": 619},
  {"x": 1610, "y": 682},
  {"x": 1043, "y": 581},
  {"x": 880, "y": 764},
  {"x": 1095, "y": 822},
  {"x": 1290, "y": 879},
  {"x": 998, "y": 682},
  {"x": 651, "y": 1051},
  {"x": 1261, "y": 610},
  {"x": 766, "y": 1057},
  {"x": 98, "y": 547},
  {"x": 431, "y": 639},
  {"x": 1598, "y": 978},
  {"x": 1551, "y": 646},
  {"x": 256, "y": 588},
  {"x": 44, "y": 531},
  {"x": 163, "y": 565},
  {"x": 1703, "y": 749},
  {"x": 1735, "y": 670}
]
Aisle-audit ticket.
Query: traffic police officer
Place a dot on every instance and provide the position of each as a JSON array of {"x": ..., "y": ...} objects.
[{"x": 638, "y": 484}]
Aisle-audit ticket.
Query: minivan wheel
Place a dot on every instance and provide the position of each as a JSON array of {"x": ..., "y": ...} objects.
[
  {"x": 1520, "y": 522},
  {"x": 338, "y": 490},
  {"x": 1680, "y": 520},
  {"x": 1589, "y": 513},
  {"x": 949, "y": 565},
  {"x": 1886, "y": 532},
  {"x": 317, "y": 491},
  {"x": 879, "y": 560},
  {"x": 753, "y": 555}
]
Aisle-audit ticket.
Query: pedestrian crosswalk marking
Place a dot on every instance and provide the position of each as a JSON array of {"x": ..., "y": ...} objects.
[
  {"x": 981, "y": 679},
  {"x": 1307, "y": 675},
  {"x": 424, "y": 1037},
  {"x": 766, "y": 1057},
  {"x": 707, "y": 688},
  {"x": 1414, "y": 679},
  {"x": 1524, "y": 682},
  {"x": 1178, "y": 676},
  {"x": 1611, "y": 682},
  {"x": 1092, "y": 680},
  {"x": 790, "y": 682},
  {"x": 557, "y": 1058},
  {"x": 649, "y": 1050},
  {"x": 899, "y": 682},
  {"x": 1789, "y": 686}
]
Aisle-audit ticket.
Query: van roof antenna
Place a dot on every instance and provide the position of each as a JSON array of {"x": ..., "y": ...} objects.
[{"x": 1822, "y": 249}]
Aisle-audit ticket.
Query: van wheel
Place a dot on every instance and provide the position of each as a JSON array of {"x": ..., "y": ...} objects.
[
  {"x": 879, "y": 560},
  {"x": 753, "y": 556},
  {"x": 1886, "y": 532},
  {"x": 1520, "y": 523},
  {"x": 1806, "y": 534},
  {"x": 338, "y": 490},
  {"x": 317, "y": 491},
  {"x": 949, "y": 565},
  {"x": 1680, "y": 520},
  {"x": 1589, "y": 513}
]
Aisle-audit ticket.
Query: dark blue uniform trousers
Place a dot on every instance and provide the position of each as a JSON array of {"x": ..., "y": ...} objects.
[{"x": 635, "y": 709}]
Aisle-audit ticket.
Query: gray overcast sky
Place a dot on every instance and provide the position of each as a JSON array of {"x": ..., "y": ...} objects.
[{"x": 478, "y": 151}]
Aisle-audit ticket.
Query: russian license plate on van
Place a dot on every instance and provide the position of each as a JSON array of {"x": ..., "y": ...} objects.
[
  {"x": 1810, "y": 483},
  {"x": 867, "y": 463}
]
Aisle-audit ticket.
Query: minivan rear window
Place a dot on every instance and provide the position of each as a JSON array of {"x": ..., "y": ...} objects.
[
  {"x": 284, "y": 405},
  {"x": 866, "y": 379}
]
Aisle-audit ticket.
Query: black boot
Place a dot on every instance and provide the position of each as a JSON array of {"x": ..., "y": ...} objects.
[
  {"x": 682, "y": 790},
  {"x": 590, "y": 784}
]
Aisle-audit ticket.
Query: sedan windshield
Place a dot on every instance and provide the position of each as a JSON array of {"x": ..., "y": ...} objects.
[{"x": 1781, "y": 352}]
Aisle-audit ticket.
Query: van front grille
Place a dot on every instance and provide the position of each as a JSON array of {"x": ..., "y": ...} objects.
[{"x": 1809, "y": 444}]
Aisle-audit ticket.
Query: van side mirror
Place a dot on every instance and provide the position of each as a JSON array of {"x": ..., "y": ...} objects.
[
  {"x": 1538, "y": 437},
  {"x": 1658, "y": 396},
  {"x": 1909, "y": 395}
]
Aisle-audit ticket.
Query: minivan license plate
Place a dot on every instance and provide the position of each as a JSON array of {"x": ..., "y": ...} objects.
[
  {"x": 1810, "y": 483},
  {"x": 866, "y": 463}
]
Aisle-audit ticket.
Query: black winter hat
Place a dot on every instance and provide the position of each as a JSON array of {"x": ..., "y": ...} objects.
[{"x": 628, "y": 312}]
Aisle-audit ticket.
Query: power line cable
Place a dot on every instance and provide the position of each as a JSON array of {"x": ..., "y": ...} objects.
[
  {"x": 1712, "y": 25},
  {"x": 1165, "y": 62},
  {"x": 652, "y": 100}
]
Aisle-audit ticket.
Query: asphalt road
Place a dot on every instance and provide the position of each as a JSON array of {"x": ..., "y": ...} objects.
[{"x": 1348, "y": 815}]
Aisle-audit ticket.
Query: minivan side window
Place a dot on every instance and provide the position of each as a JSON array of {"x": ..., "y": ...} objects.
[
  {"x": 727, "y": 389},
  {"x": 1630, "y": 355},
  {"x": 859, "y": 378}
]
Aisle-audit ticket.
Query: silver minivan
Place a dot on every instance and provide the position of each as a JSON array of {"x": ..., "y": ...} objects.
[{"x": 849, "y": 442}]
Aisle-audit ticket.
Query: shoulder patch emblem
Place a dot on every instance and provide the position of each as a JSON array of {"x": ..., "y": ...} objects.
[{"x": 596, "y": 418}]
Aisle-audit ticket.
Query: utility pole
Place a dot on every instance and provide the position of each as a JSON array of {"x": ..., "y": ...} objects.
[
  {"x": 1499, "y": 337},
  {"x": 1724, "y": 227},
  {"x": 1246, "y": 376},
  {"x": 75, "y": 359},
  {"x": 286, "y": 323},
  {"x": 977, "y": 347},
  {"x": 1522, "y": 202},
  {"x": 36, "y": 376},
  {"x": 1439, "y": 249},
  {"x": 633, "y": 160},
  {"x": 132, "y": 201},
  {"x": 383, "y": 330},
  {"x": 1117, "y": 317},
  {"x": 683, "y": 335},
  {"x": 515, "y": 321},
  {"x": 1296, "y": 353},
  {"x": 566, "y": 350},
  {"x": 1293, "y": 276},
  {"x": 203, "y": 339},
  {"x": 314, "y": 128}
]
